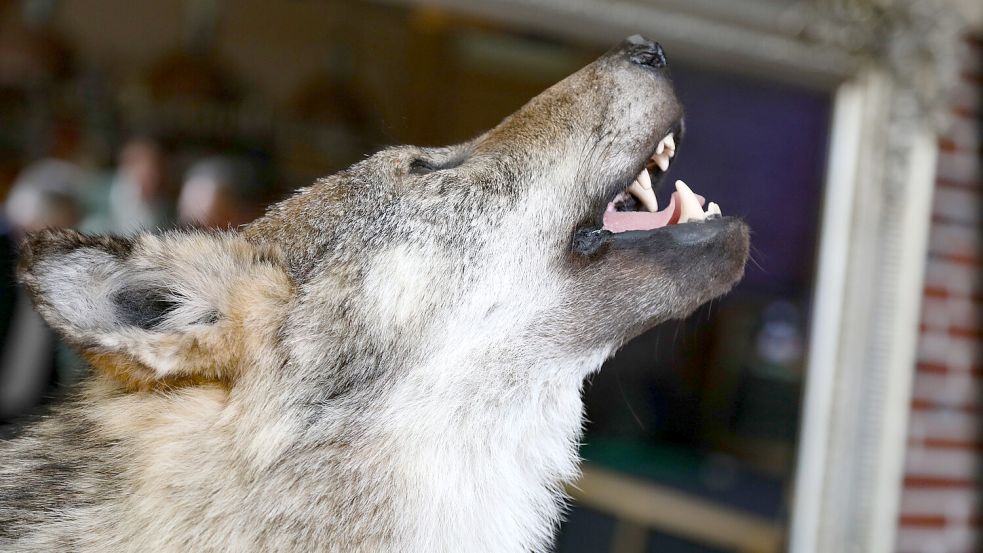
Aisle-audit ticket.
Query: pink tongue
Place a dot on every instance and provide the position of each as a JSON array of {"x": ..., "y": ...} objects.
[{"x": 623, "y": 221}]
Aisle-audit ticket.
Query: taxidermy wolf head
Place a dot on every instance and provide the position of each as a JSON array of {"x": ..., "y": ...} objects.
[{"x": 390, "y": 360}]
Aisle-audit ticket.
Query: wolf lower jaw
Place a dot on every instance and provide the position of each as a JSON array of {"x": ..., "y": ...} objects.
[{"x": 479, "y": 471}]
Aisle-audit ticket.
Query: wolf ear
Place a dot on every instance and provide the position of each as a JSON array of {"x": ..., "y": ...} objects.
[{"x": 168, "y": 309}]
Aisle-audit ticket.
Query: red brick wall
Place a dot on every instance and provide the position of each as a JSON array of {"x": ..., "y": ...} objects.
[{"x": 941, "y": 507}]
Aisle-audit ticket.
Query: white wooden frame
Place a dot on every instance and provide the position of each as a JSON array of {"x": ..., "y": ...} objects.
[
  {"x": 884, "y": 63},
  {"x": 638, "y": 506}
]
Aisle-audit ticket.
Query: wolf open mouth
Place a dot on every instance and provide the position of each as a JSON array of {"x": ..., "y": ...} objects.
[{"x": 636, "y": 206}]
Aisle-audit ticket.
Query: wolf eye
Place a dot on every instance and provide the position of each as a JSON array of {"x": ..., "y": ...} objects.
[{"x": 420, "y": 166}]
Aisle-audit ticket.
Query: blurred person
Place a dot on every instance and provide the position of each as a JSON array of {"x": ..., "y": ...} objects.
[
  {"x": 137, "y": 197},
  {"x": 44, "y": 195},
  {"x": 212, "y": 193},
  {"x": 31, "y": 359}
]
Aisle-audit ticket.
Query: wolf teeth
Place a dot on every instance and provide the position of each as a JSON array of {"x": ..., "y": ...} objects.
[
  {"x": 665, "y": 150},
  {"x": 662, "y": 161},
  {"x": 641, "y": 188},
  {"x": 713, "y": 210},
  {"x": 689, "y": 206}
]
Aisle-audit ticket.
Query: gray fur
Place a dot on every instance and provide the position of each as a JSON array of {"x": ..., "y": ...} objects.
[{"x": 391, "y": 360}]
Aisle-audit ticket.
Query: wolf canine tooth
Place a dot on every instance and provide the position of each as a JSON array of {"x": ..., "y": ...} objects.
[
  {"x": 689, "y": 206},
  {"x": 713, "y": 209},
  {"x": 644, "y": 179},
  {"x": 641, "y": 188}
]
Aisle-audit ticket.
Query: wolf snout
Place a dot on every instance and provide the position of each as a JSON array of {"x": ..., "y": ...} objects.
[{"x": 642, "y": 51}]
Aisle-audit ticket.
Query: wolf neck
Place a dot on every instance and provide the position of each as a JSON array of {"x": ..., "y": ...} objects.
[
  {"x": 465, "y": 448},
  {"x": 487, "y": 457}
]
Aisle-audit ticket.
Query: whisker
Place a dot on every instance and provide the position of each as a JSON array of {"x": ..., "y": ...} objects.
[
  {"x": 624, "y": 396},
  {"x": 751, "y": 256}
]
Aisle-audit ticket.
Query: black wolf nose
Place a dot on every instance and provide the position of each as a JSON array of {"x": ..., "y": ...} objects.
[{"x": 643, "y": 51}]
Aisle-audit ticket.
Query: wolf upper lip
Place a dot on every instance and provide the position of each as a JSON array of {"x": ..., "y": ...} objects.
[{"x": 684, "y": 205}]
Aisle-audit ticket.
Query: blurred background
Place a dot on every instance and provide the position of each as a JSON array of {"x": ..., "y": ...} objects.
[{"x": 117, "y": 115}]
